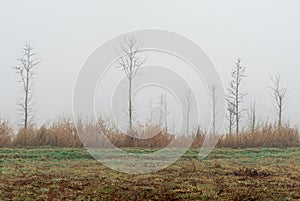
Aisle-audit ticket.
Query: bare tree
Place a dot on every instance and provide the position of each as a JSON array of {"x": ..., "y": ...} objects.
[
  {"x": 163, "y": 116},
  {"x": 214, "y": 99},
  {"x": 150, "y": 112},
  {"x": 188, "y": 100},
  {"x": 235, "y": 96},
  {"x": 279, "y": 96},
  {"x": 161, "y": 110},
  {"x": 27, "y": 63},
  {"x": 130, "y": 61},
  {"x": 166, "y": 113},
  {"x": 230, "y": 118},
  {"x": 252, "y": 117}
]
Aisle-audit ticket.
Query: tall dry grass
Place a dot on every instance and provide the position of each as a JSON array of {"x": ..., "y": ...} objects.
[
  {"x": 268, "y": 135},
  {"x": 63, "y": 132},
  {"x": 6, "y": 134},
  {"x": 102, "y": 133}
]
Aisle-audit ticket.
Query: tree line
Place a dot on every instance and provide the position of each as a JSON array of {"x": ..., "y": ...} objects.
[{"x": 64, "y": 133}]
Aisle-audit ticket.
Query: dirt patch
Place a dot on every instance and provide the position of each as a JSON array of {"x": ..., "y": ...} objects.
[{"x": 251, "y": 172}]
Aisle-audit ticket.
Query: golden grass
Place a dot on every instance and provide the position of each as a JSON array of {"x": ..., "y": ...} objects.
[{"x": 64, "y": 133}]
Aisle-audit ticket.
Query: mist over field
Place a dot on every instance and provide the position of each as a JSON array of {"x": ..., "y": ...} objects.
[
  {"x": 149, "y": 100},
  {"x": 265, "y": 34}
]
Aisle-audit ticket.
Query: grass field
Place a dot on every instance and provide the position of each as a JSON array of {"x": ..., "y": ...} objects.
[{"x": 226, "y": 174}]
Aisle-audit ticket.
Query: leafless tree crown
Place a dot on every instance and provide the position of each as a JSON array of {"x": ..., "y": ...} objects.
[
  {"x": 279, "y": 96},
  {"x": 130, "y": 59},
  {"x": 25, "y": 69},
  {"x": 235, "y": 96}
]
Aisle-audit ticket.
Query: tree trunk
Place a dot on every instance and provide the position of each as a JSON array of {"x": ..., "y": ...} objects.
[
  {"x": 26, "y": 100},
  {"x": 280, "y": 113}
]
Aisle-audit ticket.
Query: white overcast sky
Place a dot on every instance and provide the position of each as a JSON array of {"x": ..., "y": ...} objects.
[{"x": 265, "y": 34}]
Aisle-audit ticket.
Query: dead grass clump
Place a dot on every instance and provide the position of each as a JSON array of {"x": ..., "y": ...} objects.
[
  {"x": 61, "y": 133},
  {"x": 6, "y": 133},
  {"x": 25, "y": 137}
]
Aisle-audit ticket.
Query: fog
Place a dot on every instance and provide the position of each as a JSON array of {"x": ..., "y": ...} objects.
[{"x": 264, "y": 34}]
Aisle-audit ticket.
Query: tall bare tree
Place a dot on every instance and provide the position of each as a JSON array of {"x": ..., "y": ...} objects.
[
  {"x": 150, "y": 112},
  {"x": 130, "y": 61},
  {"x": 163, "y": 116},
  {"x": 279, "y": 96},
  {"x": 166, "y": 113},
  {"x": 214, "y": 99},
  {"x": 252, "y": 117},
  {"x": 161, "y": 110},
  {"x": 235, "y": 96},
  {"x": 188, "y": 101},
  {"x": 25, "y": 69}
]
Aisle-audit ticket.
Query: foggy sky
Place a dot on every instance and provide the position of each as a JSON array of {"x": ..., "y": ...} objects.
[{"x": 264, "y": 34}]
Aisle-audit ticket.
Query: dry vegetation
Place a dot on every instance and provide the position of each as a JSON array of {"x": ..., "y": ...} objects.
[
  {"x": 64, "y": 133},
  {"x": 6, "y": 133},
  {"x": 267, "y": 136}
]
